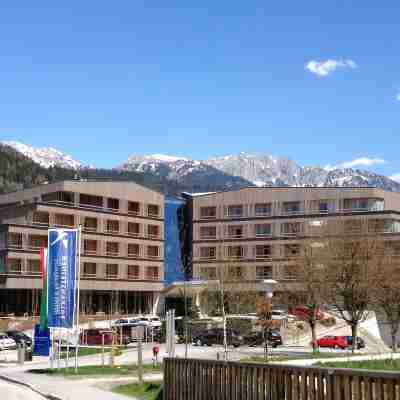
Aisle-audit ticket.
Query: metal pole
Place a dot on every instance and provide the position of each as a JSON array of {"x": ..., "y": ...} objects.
[
  {"x": 102, "y": 350},
  {"x": 140, "y": 361},
  {"x": 78, "y": 273},
  {"x": 59, "y": 350},
  {"x": 67, "y": 358}
]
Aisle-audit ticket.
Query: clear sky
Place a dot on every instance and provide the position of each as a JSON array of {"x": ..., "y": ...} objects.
[{"x": 316, "y": 81}]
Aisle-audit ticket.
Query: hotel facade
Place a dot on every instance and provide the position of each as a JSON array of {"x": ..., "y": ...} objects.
[
  {"x": 261, "y": 230},
  {"x": 122, "y": 246}
]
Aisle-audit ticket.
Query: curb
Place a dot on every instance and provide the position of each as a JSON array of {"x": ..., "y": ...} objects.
[{"x": 29, "y": 386}]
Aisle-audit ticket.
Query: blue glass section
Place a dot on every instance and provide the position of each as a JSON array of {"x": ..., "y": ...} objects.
[{"x": 173, "y": 228}]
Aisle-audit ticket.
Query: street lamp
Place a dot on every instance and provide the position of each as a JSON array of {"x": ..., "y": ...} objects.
[{"x": 269, "y": 286}]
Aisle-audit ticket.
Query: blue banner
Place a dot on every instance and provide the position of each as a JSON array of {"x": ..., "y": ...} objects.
[
  {"x": 41, "y": 341},
  {"x": 61, "y": 277}
]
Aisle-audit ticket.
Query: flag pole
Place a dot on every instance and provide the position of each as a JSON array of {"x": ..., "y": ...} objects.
[{"x": 78, "y": 275}]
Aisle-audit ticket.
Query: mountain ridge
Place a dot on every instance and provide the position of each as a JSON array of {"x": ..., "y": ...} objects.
[{"x": 173, "y": 173}]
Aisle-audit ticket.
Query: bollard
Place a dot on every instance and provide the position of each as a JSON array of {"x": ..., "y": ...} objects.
[
  {"x": 102, "y": 350},
  {"x": 21, "y": 354}
]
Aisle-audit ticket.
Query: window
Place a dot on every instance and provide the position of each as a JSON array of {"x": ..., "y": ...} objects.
[
  {"x": 37, "y": 241},
  {"x": 235, "y": 272},
  {"x": 112, "y": 271},
  {"x": 90, "y": 247},
  {"x": 264, "y": 272},
  {"x": 113, "y": 204},
  {"x": 353, "y": 226},
  {"x": 357, "y": 204},
  {"x": 263, "y": 229},
  {"x": 235, "y": 210},
  {"x": 90, "y": 224},
  {"x": 133, "y": 250},
  {"x": 33, "y": 267},
  {"x": 323, "y": 207},
  {"x": 40, "y": 218},
  {"x": 88, "y": 200},
  {"x": 208, "y": 232},
  {"x": 15, "y": 240},
  {"x": 290, "y": 273},
  {"x": 133, "y": 272},
  {"x": 208, "y": 252},
  {"x": 153, "y": 210},
  {"x": 291, "y": 228},
  {"x": 263, "y": 251},
  {"x": 235, "y": 231},
  {"x": 291, "y": 250},
  {"x": 235, "y": 251},
  {"x": 133, "y": 207},
  {"x": 14, "y": 265},
  {"x": 208, "y": 212},
  {"x": 262, "y": 209},
  {"x": 208, "y": 273},
  {"x": 112, "y": 226},
  {"x": 112, "y": 248},
  {"x": 133, "y": 229},
  {"x": 64, "y": 220},
  {"x": 153, "y": 251},
  {"x": 291, "y": 207},
  {"x": 89, "y": 269},
  {"x": 152, "y": 273},
  {"x": 153, "y": 231}
]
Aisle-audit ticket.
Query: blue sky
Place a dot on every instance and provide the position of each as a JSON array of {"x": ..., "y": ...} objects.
[{"x": 103, "y": 80}]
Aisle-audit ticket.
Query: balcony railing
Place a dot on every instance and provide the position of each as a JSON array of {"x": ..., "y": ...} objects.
[
  {"x": 133, "y": 277},
  {"x": 111, "y": 276},
  {"x": 112, "y": 253},
  {"x": 132, "y": 254},
  {"x": 263, "y": 256},
  {"x": 90, "y": 252}
]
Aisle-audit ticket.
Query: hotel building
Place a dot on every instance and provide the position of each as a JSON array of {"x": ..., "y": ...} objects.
[{"x": 122, "y": 246}]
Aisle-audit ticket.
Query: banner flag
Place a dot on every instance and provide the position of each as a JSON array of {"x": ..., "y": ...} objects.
[
  {"x": 43, "y": 300},
  {"x": 61, "y": 277}
]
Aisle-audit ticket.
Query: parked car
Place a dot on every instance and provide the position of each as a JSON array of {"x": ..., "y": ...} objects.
[
  {"x": 6, "y": 342},
  {"x": 257, "y": 338},
  {"x": 335, "y": 342},
  {"x": 216, "y": 336},
  {"x": 150, "y": 320},
  {"x": 20, "y": 337},
  {"x": 360, "y": 343},
  {"x": 93, "y": 337},
  {"x": 126, "y": 321},
  {"x": 303, "y": 313}
]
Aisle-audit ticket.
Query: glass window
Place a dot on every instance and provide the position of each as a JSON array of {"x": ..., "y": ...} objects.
[
  {"x": 235, "y": 251},
  {"x": 291, "y": 207},
  {"x": 112, "y": 226},
  {"x": 133, "y": 207},
  {"x": 153, "y": 210},
  {"x": 208, "y": 252},
  {"x": 235, "y": 210},
  {"x": 235, "y": 231},
  {"x": 89, "y": 269},
  {"x": 263, "y": 229},
  {"x": 112, "y": 271},
  {"x": 90, "y": 224},
  {"x": 133, "y": 272},
  {"x": 153, "y": 231},
  {"x": 133, "y": 250},
  {"x": 33, "y": 267},
  {"x": 262, "y": 209},
  {"x": 208, "y": 232},
  {"x": 133, "y": 228},
  {"x": 152, "y": 251},
  {"x": 112, "y": 248},
  {"x": 263, "y": 251},
  {"x": 208, "y": 212},
  {"x": 152, "y": 273}
]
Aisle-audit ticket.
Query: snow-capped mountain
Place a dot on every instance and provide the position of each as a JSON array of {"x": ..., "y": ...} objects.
[
  {"x": 258, "y": 170},
  {"x": 218, "y": 173},
  {"x": 46, "y": 156}
]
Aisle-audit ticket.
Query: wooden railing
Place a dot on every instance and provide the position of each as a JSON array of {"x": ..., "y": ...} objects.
[{"x": 189, "y": 379}]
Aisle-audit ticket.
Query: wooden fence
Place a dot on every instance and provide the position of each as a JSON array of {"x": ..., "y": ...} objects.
[{"x": 217, "y": 380}]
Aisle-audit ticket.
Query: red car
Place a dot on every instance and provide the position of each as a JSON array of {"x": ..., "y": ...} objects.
[
  {"x": 95, "y": 337},
  {"x": 303, "y": 313},
  {"x": 335, "y": 342}
]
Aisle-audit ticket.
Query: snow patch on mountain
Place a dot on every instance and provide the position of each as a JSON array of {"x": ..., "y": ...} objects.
[{"x": 46, "y": 156}]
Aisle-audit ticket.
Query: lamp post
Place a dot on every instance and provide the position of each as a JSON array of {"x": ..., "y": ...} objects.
[{"x": 269, "y": 284}]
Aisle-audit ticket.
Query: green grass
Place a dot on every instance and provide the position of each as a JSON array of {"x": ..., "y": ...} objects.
[
  {"x": 98, "y": 370},
  {"x": 87, "y": 351},
  {"x": 387, "y": 364},
  {"x": 145, "y": 391}
]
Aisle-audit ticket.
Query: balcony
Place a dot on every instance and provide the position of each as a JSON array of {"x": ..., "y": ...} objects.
[
  {"x": 64, "y": 220},
  {"x": 112, "y": 271},
  {"x": 292, "y": 208},
  {"x": 153, "y": 210},
  {"x": 362, "y": 205},
  {"x": 40, "y": 218},
  {"x": 208, "y": 253},
  {"x": 263, "y": 252},
  {"x": 112, "y": 227},
  {"x": 89, "y": 270},
  {"x": 90, "y": 201},
  {"x": 133, "y": 250},
  {"x": 63, "y": 198},
  {"x": 14, "y": 241},
  {"x": 153, "y": 252},
  {"x": 235, "y": 252},
  {"x": 133, "y": 229},
  {"x": 112, "y": 249},
  {"x": 133, "y": 272},
  {"x": 235, "y": 232},
  {"x": 153, "y": 232},
  {"x": 133, "y": 208},
  {"x": 36, "y": 242},
  {"x": 208, "y": 212},
  {"x": 90, "y": 247}
]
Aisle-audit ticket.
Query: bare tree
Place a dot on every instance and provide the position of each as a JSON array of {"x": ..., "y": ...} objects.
[
  {"x": 310, "y": 288},
  {"x": 386, "y": 292},
  {"x": 351, "y": 258}
]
